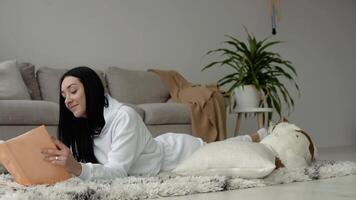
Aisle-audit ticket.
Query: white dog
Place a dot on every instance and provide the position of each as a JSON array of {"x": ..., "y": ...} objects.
[{"x": 292, "y": 146}]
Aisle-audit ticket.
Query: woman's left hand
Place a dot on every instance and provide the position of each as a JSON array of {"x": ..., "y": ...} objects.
[{"x": 62, "y": 156}]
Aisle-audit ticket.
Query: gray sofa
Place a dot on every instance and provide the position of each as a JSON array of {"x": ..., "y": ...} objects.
[{"x": 144, "y": 91}]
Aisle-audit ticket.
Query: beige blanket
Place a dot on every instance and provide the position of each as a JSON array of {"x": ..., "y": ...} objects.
[{"x": 207, "y": 105}]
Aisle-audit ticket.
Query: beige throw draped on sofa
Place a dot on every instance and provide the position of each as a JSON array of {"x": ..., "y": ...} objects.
[{"x": 207, "y": 105}]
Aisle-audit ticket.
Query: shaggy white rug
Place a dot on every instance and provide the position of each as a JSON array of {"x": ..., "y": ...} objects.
[{"x": 166, "y": 184}]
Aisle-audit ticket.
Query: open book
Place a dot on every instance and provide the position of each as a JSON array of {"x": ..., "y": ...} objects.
[{"x": 22, "y": 157}]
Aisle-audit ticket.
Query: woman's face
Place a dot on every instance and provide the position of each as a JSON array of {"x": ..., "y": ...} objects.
[{"x": 73, "y": 93}]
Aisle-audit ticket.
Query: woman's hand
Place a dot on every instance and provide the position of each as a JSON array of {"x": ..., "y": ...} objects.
[{"x": 62, "y": 156}]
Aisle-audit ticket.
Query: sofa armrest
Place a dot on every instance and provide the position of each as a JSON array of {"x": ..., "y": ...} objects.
[
  {"x": 139, "y": 110},
  {"x": 28, "y": 112}
]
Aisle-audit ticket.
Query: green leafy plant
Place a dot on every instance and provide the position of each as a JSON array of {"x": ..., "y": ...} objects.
[{"x": 254, "y": 64}]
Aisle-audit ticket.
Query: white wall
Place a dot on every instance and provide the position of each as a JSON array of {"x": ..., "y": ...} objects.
[
  {"x": 175, "y": 34},
  {"x": 321, "y": 42}
]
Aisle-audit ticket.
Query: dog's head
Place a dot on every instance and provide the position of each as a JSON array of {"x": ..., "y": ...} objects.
[{"x": 293, "y": 146}]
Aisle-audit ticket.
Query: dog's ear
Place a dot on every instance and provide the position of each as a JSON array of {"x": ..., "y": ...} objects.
[
  {"x": 311, "y": 145},
  {"x": 278, "y": 163}
]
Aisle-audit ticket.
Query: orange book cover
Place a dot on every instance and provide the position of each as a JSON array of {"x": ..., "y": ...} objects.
[{"x": 22, "y": 157}]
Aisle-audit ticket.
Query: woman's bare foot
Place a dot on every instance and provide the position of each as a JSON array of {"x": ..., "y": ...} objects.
[
  {"x": 255, "y": 137},
  {"x": 259, "y": 135}
]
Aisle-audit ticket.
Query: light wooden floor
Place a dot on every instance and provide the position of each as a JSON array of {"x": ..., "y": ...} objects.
[{"x": 329, "y": 189}]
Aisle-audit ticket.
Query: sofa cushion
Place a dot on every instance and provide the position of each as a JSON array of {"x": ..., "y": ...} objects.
[
  {"x": 12, "y": 85},
  {"x": 103, "y": 79},
  {"x": 166, "y": 113},
  {"x": 136, "y": 86},
  {"x": 24, "y": 112},
  {"x": 48, "y": 79},
  {"x": 28, "y": 74}
]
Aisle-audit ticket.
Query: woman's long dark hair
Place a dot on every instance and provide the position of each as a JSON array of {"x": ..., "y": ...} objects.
[{"x": 77, "y": 133}]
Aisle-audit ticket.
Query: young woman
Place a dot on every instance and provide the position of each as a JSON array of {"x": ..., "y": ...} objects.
[{"x": 101, "y": 138}]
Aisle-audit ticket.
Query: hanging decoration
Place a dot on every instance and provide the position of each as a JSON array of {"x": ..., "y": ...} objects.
[{"x": 275, "y": 14}]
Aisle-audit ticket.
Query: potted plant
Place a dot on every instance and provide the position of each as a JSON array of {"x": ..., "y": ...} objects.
[{"x": 254, "y": 65}]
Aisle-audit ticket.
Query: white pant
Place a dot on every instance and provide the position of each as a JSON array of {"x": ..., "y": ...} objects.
[{"x": 179, "y": 146}]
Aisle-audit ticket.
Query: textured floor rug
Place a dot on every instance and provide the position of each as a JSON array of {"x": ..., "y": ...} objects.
[{"x": 166, "y": 184}]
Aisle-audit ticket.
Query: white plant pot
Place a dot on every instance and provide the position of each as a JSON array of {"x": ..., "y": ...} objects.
[{"x": 247, "y": 97}]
